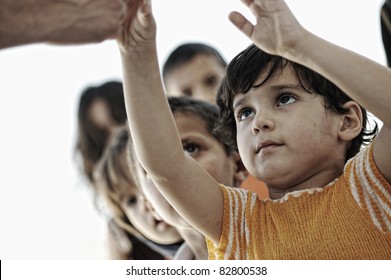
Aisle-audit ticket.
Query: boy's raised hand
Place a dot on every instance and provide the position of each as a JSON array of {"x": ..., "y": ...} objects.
[
  {"x": 276, "y": 29},
  {"x": 139, "y": 27}
]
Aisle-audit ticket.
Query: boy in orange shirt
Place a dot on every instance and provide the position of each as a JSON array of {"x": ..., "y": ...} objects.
[{"x": 290, "y": 104}]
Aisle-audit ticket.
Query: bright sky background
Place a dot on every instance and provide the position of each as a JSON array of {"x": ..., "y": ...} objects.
[{"x": 45, "y": 210}]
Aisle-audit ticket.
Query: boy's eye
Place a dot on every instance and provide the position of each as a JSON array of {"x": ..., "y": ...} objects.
[
  {"x": 187, "y": 92},
  {"x": 211, "y": 81},
  {"x": 191, "y": 148},
  {"x": 286, "y": 99},
  {"x": 245, "y": 113},
  {"x": 131, "y": 200}
]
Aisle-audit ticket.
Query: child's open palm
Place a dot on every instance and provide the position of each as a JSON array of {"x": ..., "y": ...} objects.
[{"x": 276, "y": 29}]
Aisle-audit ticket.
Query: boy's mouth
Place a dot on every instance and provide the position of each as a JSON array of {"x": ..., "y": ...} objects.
[
  {"x": 161, "y": 225},
  {"x": 266, "y": 144}
]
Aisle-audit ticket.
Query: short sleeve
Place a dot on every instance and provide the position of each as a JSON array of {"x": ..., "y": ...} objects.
[
  {"x": 235, "y": 228},
  {"x": 369, "y": 188}
]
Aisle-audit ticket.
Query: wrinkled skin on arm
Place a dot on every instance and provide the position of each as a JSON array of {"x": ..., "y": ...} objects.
[{"x": 59, "y": 22}]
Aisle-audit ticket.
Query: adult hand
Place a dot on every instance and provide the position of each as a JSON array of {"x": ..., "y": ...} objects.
[
  {"x": 60, "y": 22},
  {"x": 84, "y": 21}
]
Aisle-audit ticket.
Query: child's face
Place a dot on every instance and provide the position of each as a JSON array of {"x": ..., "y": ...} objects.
[
  {"x": 197, "y": 78},
  {"x": 205, "y": 149},
  {"x": 100, "y": 115},
  {"x": 145, "y": 219},
  {"x": 286, "y": 137}
]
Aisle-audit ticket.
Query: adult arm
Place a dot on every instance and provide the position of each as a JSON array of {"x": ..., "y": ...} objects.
[{"x": 61, "y": 22}]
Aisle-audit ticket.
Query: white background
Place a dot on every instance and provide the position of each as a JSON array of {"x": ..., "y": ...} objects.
[{"x": 45, "y": 210}]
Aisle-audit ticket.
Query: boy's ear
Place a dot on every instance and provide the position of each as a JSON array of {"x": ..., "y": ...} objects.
[
  {"x": 352, "y": 122},
  {"x": 240, "y": 172}
]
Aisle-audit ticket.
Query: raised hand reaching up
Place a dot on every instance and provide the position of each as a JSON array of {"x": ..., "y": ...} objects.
[
  {"x": 139, "y": 28},
  {"x": 276, "y": 29}
]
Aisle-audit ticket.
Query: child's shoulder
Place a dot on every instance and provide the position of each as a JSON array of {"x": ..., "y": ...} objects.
[
  {"x": 363, "y": 160},
  {"x": 369, "y": 188}
]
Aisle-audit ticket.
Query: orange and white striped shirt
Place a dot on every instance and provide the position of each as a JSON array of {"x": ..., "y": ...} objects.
[{"x": 350, "y": 218}]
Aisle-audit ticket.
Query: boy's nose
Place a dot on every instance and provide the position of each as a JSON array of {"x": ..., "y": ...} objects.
[
  {"x": 262, "y": 122},
  {"x": 150, "y": 209},
  {"x": 204, "y": 93}
]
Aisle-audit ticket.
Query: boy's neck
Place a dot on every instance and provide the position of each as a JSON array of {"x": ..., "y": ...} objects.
[{"x": 319, "y": 180}]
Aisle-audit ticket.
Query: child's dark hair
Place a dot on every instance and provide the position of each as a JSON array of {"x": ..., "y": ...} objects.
[
  {"x": 186, "y": 52},
  {"x": 206, "y": 111},
  {"x": 245, "y": 68}
]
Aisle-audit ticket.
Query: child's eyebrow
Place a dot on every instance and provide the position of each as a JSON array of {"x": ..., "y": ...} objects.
[
  {"x": 271, "y": 89},
  {"x": 239, "y": 103},
  {"x": 276, "y": 88}
]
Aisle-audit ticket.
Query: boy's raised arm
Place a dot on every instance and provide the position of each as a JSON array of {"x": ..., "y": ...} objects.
[
  {"x": 190, "y": 189},
  {"x": 277, "y": 31}
]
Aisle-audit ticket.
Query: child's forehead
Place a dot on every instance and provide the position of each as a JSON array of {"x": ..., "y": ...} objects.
[
  {"x": 279, "y": 74},
  {"x": 263, "y": 76},
  {"x": 212, "y": 59},
  {"x": 190, "y": 120},
  {"x": 280, "y": 81},
  {"x": 285, "y": 77},
  {"x": 207, "y": 59},
  {"x": 126, "y": 190},
  {"x": 199, "y": 63},
  {"x": 195, "y": 129},
  {"x": 124, "y": 178}
]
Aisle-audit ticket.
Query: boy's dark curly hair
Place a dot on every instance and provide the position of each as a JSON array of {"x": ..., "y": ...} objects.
[{"x": 244, "y": 70}]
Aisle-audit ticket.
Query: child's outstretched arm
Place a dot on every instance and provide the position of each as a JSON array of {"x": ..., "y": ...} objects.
[
  {"x": 61, "y": 22},
  {"x": 277, "y": 31},
  {"x": 190, "y": 189}
]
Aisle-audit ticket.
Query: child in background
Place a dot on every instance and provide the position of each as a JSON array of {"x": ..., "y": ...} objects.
[
  {"x": 137, "y": 230},
  {"x": 195, "y": 120},
  {"x": 196, "y": 70},
  {"x": 101, "y": 110},
  {"x": 284, "y": 104}
]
